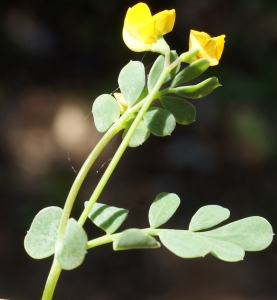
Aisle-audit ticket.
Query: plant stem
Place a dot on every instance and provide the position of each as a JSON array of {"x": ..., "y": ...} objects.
[
  {"x": 124, "y": 144},
  {"x": 51, "y": 281}
]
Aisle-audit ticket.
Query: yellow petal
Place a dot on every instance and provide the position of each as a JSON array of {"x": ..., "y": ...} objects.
[
  {"x": 210, "y": 48},
  {"x": 141, "y": 29}
]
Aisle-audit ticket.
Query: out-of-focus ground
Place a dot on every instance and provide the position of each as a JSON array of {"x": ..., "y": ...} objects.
[{"x": 56, "y": 57}]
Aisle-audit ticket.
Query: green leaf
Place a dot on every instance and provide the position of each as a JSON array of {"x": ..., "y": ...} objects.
[
  {"x": 158, "y": 67},
  {"x": 131, "y": 81},
  {"x": 183, "y": 111},
  {"x": 208, "y": 216},
  {"x": 199, "y": 90},
  {"x": 134, "y": 239},
  {"x": 185, "y": 244},
  {"x": 108, "y": 218},
  {"x": 160, "y": 122},
  {"x": 163, "y": 208},
  {"x": 71, "y": 252},
  {"x": 105, "y": 112},
  {"x": 140, "y": 135},
  {"x": 226, "y": 251},
  {"x": 251, "y": 234},
  {"x": 41, "y": 238},
  {"x": 191, "y": 71}
]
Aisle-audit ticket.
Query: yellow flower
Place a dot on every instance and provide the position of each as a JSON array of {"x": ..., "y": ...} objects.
[
  {"x": 141, "y": 30},
  {"x": 210, "y": 48}
]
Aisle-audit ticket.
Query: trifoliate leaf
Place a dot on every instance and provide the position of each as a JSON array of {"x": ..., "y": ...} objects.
[
  {"x": 108, "y": 218},
  {"x": 163, "y": 208},
  {"x": 105, "y": 112},
  {"x": 134, "y": 239},
  {"x": 208, "y": 216},
  {"x": 41, "y": 238}
]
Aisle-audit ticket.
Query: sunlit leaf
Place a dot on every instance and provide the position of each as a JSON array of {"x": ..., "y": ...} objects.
[
  {"x": 71, "y": 252},
  {"x": 226, "y": 251},
  {"x": 41, "y": 238},
  {"x": 251, "y": 234},
  {"x": 163, "y": 208},
  {"x": 185, "y": 244},
  {"x": 208, "y": 216},
  {"x": 131, "y": 81},
  {"x": 108, "y": 218},
  {"x": 183, "y": 111},
  {"x": 160, "y": 122},
  {"x": 134, "y": 239},
  {"x": 105, "y": 112}
]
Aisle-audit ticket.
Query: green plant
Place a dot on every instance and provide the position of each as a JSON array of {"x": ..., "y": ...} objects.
[{"x": 135, "y": 112}]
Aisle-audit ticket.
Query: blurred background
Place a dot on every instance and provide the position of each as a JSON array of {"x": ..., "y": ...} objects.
[{"x": 56, "y": 57}]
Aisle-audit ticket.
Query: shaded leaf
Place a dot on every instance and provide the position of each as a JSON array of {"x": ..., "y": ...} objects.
[
  {"x": 140, "y": 135},
  {"x": 185, "y": 244},
  {"x": 163, "y": 208},
  {"x": 158, "y": 67},
  {"x": 71, "y": 252},
  {"x": 134, "y": 239},
  {"x": 183, "y": 111},
  {"x": 160, "y": 122},
  {"x": 251, "y": 234},
  {"x": 131, "y": 81},
  {"x": 191, "y": 71},
  {"x": 199, "y": 90},
  {"x": 105, "y": 112},
  {"x": 41, "y": 238},
  {"x": 108, "y": 218},
  {"x": 208, "y": 216}
]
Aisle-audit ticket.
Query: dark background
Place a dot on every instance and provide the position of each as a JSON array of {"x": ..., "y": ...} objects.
[{"x": 56, "y": 57}]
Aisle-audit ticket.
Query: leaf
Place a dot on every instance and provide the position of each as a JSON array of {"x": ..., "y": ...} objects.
[
  {"x": 208, "y": 216},
  {"x": 71, "y": 252},
  {"x": 140, "y": 135},
  {"x": 226, "y": 251},
  {"x": 134, "y": 239},
  {"x": 199, "y": 90},
  {"x": 163, "y": 208},
  {"x": 158, "y": 67},
  {"x": 131, "y": 81},
  {"x": 160, "y": 122},
  {"x": 41, "y": 238},
  {"x": 251, "y": 234},
  {"x": 105, "y": 112},
  {"x": 108, "y": 218},
  {"x": 191, "y": 71},
  {"x": 183, "y": 111},
  {"x": 185, "y": 244}
]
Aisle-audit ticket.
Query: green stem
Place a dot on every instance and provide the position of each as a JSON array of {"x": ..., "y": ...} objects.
[
  {"x": 103, "y": 181},
  {"x": 109, "y": 238},
  {"x": 51, "y": 281}
]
